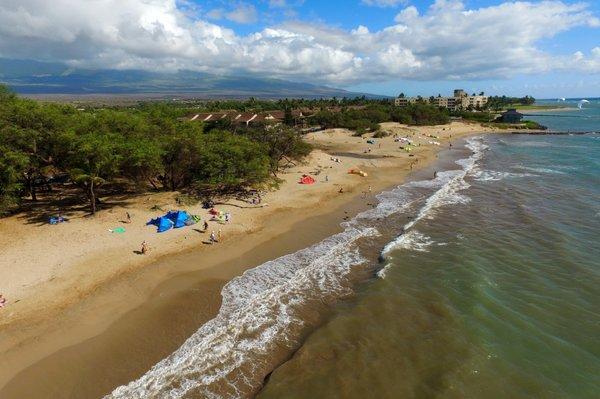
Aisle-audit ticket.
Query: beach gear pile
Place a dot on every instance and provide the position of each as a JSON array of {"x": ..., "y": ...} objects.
[
  {"x": 219, "y": 216},
  {"x": 57, "y": 219},
  {"x": 173, "y": 219},
  {"x": 357, "y": 172}
]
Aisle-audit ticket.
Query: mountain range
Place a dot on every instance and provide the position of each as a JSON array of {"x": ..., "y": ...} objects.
[{"x": 29, "y": 77}]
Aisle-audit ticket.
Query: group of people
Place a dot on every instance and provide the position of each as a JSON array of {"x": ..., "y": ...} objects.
[{"x": 215, "y": 237}]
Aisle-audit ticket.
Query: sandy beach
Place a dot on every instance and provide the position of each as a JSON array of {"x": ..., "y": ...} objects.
[{"x": 74, "y": 282}]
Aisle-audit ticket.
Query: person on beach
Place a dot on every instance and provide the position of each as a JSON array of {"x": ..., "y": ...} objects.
[
  {"x": 144, "y": 248},
  {"x": 435, "y": 174},
  {"x": 227, "y": 217},
  {"x": 127, "y": 217},
  {"x": 341, "y": 191},
  {"x": 219, "y": 236},
  {"x": 2, "y": 301},
  {"x": 370, "y": 189},
  {"x": 213, "y": 237},
  {"x": 326, "y": 178},
  {"x": 205, "y": 225}
]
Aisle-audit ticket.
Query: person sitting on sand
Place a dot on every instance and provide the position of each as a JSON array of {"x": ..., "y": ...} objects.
[
  {"x": 2, "y": 301},
  {"x": 341, "y": 191},
  {"x": 144, "y": 248}
]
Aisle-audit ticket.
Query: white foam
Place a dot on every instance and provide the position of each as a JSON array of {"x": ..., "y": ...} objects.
[
  {"x": 450, "y": 183},
  {"x": 541, "y": 170},
  {"x": 494, "y": 175},
  {"x": 259, "y": 313}
]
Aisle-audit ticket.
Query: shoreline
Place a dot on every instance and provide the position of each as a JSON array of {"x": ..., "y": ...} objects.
[{"x": 107, "y": 303}]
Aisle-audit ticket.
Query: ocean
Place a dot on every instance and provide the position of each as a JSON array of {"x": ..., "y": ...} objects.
[
  {"x": 572, "y": 119},
  {"x": 482, "y": 281}
]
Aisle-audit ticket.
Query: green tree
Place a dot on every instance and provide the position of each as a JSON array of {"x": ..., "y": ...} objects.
[{"x": 94, "y": 160}]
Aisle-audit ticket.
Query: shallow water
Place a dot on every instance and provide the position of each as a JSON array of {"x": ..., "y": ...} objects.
[{"x": 491, "y": 291}]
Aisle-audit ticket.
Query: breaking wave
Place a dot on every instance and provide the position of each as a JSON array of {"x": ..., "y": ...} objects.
[
  {"x": 448, "y": 184},
  {"x": 263, "y": 313}
]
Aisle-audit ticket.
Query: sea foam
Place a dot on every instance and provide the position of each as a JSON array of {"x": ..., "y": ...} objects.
[{"x": 448, "y": 185}]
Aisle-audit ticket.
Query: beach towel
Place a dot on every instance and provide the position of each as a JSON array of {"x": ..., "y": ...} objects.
[{"x": 118, "y": 230}]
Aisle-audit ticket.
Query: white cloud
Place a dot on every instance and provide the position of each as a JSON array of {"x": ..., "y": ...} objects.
[
  {"x": 447, "y": 41},
  {"x": 384, "y": 3},
  {"x": 243, "y": 14}
]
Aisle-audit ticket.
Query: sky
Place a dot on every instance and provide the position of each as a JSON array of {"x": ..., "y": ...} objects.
[{"x": 547, "y": 48}]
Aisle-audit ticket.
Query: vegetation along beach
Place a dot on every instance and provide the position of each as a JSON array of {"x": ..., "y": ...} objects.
[{"x": 299, "y": 199}]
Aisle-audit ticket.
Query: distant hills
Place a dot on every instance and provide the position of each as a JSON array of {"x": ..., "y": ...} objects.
[{"x": 44, "y": 78}]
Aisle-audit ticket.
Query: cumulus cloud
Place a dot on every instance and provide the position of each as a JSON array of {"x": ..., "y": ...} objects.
[{"x": 446, "y": 41}]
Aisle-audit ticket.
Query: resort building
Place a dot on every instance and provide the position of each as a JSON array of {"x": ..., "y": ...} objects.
[
  {"x": 404, "y": 101},
  {"x": 460, "y": 100}
]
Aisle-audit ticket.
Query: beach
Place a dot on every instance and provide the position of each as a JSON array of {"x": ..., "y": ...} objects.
[{"x": 72, "y": 283}]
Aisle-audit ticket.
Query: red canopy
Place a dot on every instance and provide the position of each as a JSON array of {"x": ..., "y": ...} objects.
[{"x": 307, "y": 180}]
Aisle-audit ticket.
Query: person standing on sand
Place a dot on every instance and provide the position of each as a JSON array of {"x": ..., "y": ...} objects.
[
  {"x": 435, "y": 174},
  {"x": 205, "y": 225},
  {"x": 144, "y": 248},
  {"x": 127, "y": 217},
  {"x": 219, "y": 236},
  {"x": 213, "y": 238}
]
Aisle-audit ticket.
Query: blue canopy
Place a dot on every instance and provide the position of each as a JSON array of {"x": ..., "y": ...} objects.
[
  {"x": 178, "y": 218},
  {"x": 163, "y": 223}
]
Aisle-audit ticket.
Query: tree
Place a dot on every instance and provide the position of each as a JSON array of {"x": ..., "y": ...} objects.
[
  {"x": 288, "y": 118},
  {"x": 94, "y": 160},
  {"x": 281, "y": 144},
  {"x": 229, "y": 162},
  {"x": 401, "y": 95},
  {"x": 12, "y": 166}
]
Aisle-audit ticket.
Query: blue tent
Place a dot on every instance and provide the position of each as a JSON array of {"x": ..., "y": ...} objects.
[
  {"x": 178, "y": 218},
  {"x": 163, "y": 223}
]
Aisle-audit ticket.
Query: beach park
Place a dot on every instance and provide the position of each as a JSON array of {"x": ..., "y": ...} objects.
[{"x": 85, "y": 274}]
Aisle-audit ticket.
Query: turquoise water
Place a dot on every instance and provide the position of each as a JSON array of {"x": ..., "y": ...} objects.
[
  {"x": 494, "y": 292},
  {"x": 586, "y": 119}
]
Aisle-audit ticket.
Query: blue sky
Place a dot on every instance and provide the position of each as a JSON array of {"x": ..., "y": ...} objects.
[{"x": 545, "y": 48}]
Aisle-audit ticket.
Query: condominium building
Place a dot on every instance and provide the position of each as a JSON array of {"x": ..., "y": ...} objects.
[{"x": 460, "y": 100}]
